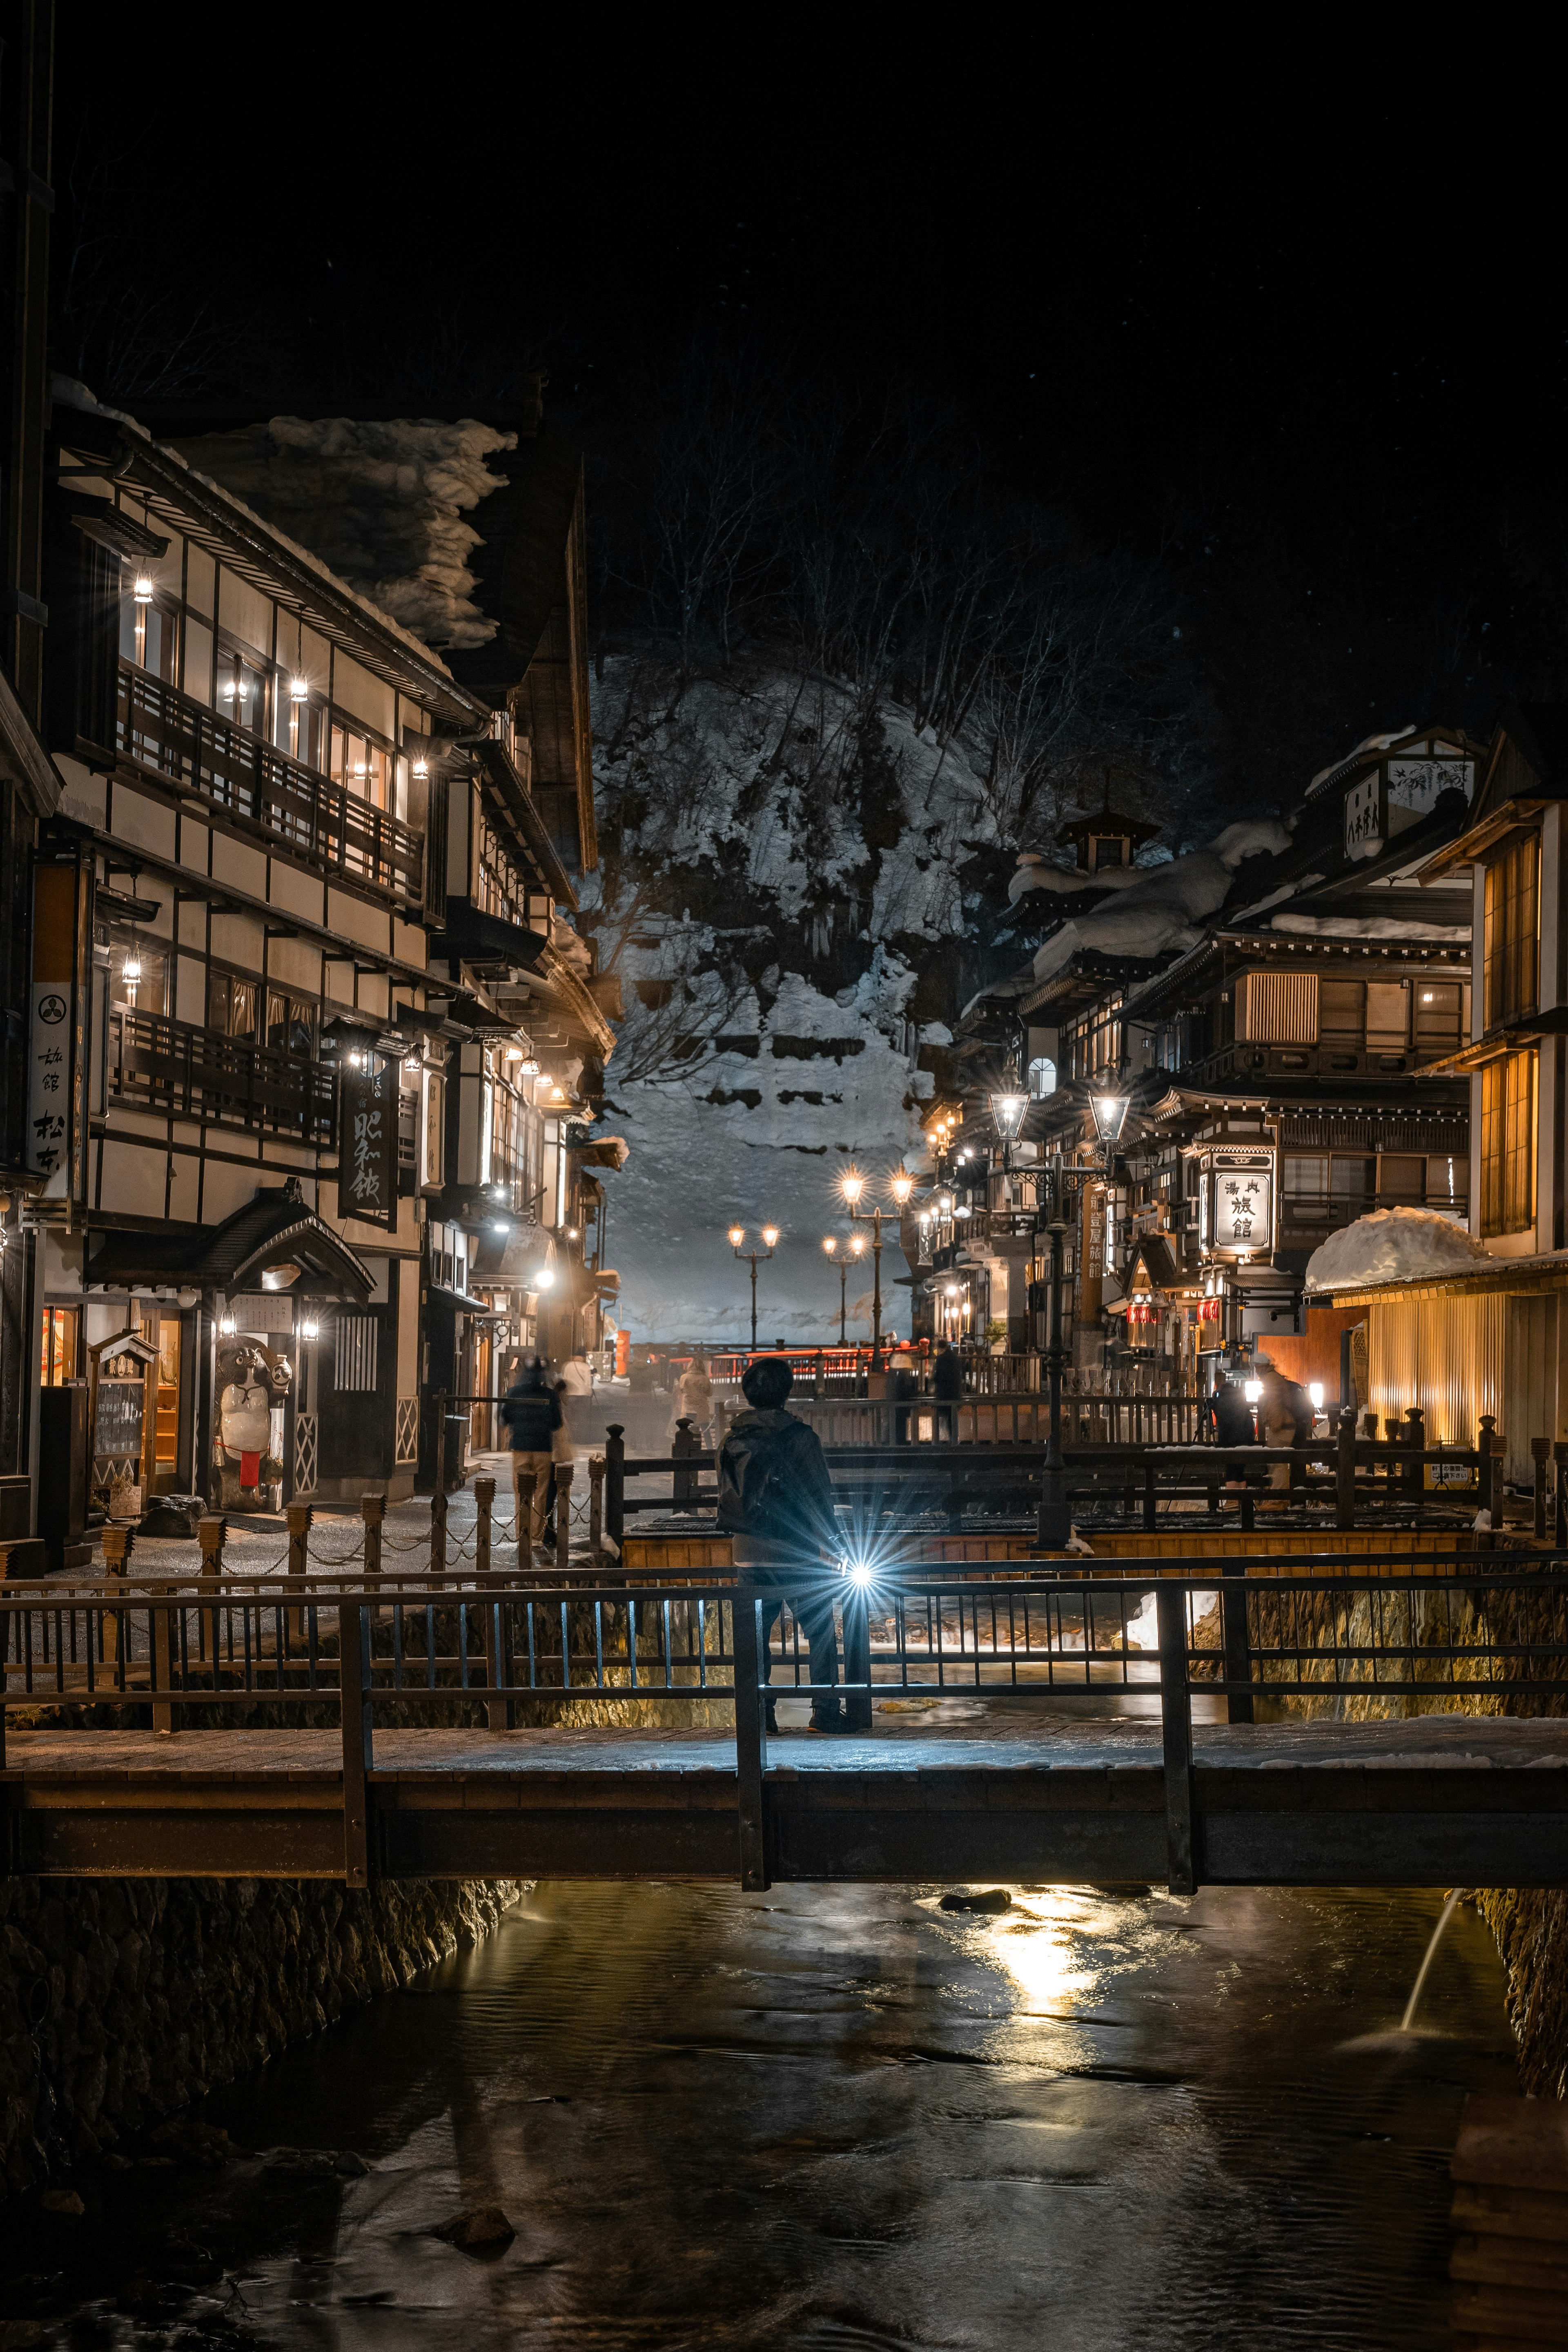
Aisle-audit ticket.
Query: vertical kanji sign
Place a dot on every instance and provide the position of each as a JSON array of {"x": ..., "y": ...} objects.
[
  {"x": 57, "y": 1106},
  {"x": 367, "y": 1141}
]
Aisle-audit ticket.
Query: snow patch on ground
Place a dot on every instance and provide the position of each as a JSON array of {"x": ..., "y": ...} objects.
[{"x": 1393, "y": 1246}]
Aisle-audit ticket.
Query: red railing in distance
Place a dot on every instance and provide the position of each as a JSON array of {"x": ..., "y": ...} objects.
[
  {"x": 263, "y": 791},
  {"x": 165, "y": 1066}
]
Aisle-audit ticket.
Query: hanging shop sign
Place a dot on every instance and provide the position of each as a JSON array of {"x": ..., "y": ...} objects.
[
  {"x": 1244, "y": 1209},
  {"x": 58, "y": 1055},
  {"x": 367, "y": 1140}
]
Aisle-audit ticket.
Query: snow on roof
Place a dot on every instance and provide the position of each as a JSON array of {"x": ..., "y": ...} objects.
[
  {"x": 1325, "y": 776},
  {"x": 1393, "y": 1246},
  {"x": 70, "y": 393},
  {"x": 1163, "y": 909},
  {"x": 1370, "y": 926}
]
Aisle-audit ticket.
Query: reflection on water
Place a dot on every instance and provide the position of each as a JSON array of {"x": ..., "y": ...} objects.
[{"x": 844, "y": 2118}]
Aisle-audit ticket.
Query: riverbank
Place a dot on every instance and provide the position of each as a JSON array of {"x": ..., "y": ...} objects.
[{"x": 123, "y": 2001}]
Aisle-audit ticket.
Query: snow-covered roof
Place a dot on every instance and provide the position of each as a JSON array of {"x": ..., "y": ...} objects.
[
  {"x": 1395, "y": 1246},
  {"x": 69, "y": 393}
]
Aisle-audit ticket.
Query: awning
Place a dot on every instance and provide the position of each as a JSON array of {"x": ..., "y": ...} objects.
[
  {"x": 473, "y": 936},
  {"x": 276, "y": 1229}
]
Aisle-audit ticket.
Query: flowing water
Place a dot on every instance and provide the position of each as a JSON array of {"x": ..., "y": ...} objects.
[{"x": 837, "y": 2119}]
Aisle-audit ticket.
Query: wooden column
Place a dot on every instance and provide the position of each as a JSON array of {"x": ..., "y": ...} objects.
[
  {"x": 299, "y": 1516},
  {"x": 484, "y": 1504},
  {"x": 596, "y": 1506},
  {"x": 563, "y": 1475},
  {"x": 117, "y": 1543},
  {"x": 372, "y": 1511},
  {"x": 354, "y": 1702},
  {"x": 212, "y": 1534},
  {"x": 1175, "y": 1719}
]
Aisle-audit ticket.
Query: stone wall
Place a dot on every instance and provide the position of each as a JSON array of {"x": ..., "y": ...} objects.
[
  {"x": 1530, "y": 1924},
  {"x": 124, "y": 2000}
]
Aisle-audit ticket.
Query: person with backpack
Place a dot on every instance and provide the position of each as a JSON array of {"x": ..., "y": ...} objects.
[
  {"x": 531, "y": 1415},
  {"x": 776, "y": 1502}
]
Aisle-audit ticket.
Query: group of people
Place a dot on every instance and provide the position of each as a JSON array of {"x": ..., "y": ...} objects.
[{"x": 1284, "y": 1414}]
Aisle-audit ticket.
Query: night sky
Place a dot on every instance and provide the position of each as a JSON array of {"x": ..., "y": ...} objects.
[{"x": 1305, "y": 351}]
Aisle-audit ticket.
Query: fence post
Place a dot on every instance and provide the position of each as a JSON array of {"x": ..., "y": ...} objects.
[
  {"x": 438, "y": 1498},
  {"x": 354, "y": 1706},
  {"x": 299, "y": 1516},
  {"x": 751, "y": 1735},
  {"x": 161, "y": 1669},
  {"x": 685, "y": 1443},
  {"x": 1151, "y": 1502},
  {"x": 1560, "y": 1463},
  {"x": 1540, "y": 1452},
  {"x": 1415, "y": 1444},
  {"x": 615, "y": 1484},
  {"x": 1176, "y": 1722},
  {"x": 523, "y": 1522},
  {"x": 1489, "y": 1468},
  {"x": 483, "y": 1503},
  {"x": 1237, "y": 1643},
  {"x": 857, "y": 1655},
  {"x": 117, "y": 1549},
  {"x": 596, "y": 1505},
  {"x": 211, "y": 1535},
  {"x": 563, "y": 1473},
  {"x": 372, "y": 1511},
  {"x": 1345, "y": 1469}
]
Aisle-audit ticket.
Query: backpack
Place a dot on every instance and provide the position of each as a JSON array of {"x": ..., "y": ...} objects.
[{"x": 758, "y": 1495}]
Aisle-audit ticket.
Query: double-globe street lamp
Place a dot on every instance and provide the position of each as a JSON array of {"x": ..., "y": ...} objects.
[
  {"x": 1055, "y": 1524},
  {"x": 770, "y": 1237},
  {"x": 852, "y": 1185},
  {"x": 853, "y": 1248}
]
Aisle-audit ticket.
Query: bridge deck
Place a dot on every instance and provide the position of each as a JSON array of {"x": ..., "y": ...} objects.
[{"x": 1001, "y": 1792}]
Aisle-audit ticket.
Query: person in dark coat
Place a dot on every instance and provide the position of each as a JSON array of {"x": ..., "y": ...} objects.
[
  {"x": 1231, "y": 1417},
  {"x": 530, "y": 1414},
  {"x": 776, "y": 1500},
  {"x": 948, "y": 1387}
]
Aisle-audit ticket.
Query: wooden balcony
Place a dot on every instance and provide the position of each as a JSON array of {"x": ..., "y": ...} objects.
[
  {"x": 263, "y": 791},
  {"x": 170, "y": 1067}
]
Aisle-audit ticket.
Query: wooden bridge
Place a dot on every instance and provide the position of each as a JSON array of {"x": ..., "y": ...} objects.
[{"x": 1036, "y": 1725}]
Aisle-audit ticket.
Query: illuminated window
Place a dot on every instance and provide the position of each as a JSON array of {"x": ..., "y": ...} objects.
[
  {"x": 1512, "y": 925},
  {"x": 59, "y": 1363},
  {"x": 1507, "y": 1142}
]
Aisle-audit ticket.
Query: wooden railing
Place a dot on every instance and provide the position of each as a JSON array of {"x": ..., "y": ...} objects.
[
  {"x": 164, "y": 1066},
  {"x": 1003, "y": 1420},
  {"x": 265, "y": 791}
]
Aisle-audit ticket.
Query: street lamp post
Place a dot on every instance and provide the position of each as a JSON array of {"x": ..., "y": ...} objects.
[
  {"x": 736, "y": 1236},
  {"x": 853, "y": 1248},
  {"x": 1055, "y": 1518},
  {"x": 852, "y": 1185}
]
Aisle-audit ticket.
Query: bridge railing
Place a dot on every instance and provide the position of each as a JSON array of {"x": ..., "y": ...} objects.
[
  {"x": 1347, "y": 1480},
  {"x": 1464, "y": 1627}
]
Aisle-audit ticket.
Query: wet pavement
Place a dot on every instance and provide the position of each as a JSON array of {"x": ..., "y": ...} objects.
[{"x": 839, "y": 2118}]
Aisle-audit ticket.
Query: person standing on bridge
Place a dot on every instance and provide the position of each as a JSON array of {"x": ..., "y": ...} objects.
[
  {"x": 947, "y": 1386},
  {"x": 776, "y": 1501},
  {"x": 530, "y": 1411}
]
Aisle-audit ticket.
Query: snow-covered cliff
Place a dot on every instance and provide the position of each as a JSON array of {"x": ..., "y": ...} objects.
[{"x": 781, "y": 884}]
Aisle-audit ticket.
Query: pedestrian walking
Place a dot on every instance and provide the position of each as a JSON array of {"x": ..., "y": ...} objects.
[
  {"x": 1231, "y": 1417},
  {"x": 531, "y": 1415},
  {"x": 1284, "y": 1417},
  {"x": 694, "y": 1399},
  {"x": 776, "y": 1501}
]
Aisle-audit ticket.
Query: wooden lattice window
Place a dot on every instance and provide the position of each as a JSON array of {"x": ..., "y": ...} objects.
[
  {"x": 1276, "y": 1008},
  {"x": 1508, "y": 1144},
  {"x": 1513, "y": 926}
]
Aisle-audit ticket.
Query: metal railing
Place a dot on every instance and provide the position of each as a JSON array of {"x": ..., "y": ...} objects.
[
  {"x": 1463, "y": 1626},
  {"x": 159, "y": 1065},
  {"x": 1019, "y": 1418},
  {"x": 264, "y": 791}
]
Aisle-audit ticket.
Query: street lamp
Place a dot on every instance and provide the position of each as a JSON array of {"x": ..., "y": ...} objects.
[
  {"x": 855, "y": 1248},
  {"x": 770, "y": 1238},
  {"x": 1110, "y": 1113},
  {"x": 853, "y": 1186}
]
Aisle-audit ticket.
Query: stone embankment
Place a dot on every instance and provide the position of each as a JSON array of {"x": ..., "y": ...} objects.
[{"x": 124, "y": 2000}]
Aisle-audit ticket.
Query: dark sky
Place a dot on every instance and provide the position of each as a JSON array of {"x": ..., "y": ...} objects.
[{"x": 1304, "y": 339}]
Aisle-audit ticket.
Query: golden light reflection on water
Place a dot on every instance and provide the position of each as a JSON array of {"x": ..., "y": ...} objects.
[{"x": 1054, "y": 1943}]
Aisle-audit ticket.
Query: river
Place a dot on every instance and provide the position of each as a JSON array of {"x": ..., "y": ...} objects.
[{"x": 835, "y": 2119}]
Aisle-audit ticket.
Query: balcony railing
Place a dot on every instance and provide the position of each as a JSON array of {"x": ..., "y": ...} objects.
[
  {"x": 265, "y": 791},
  {"x": 170, "y": 1067}
]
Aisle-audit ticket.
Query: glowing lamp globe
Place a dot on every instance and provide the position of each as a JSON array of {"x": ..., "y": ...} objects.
[
  {"x": 771, "y": 1235},
  {"x": 829, "y": 1244},
  {"x": 1110, "y": 1116},
  {"x": 853, "y": 1186},
  {"x": 736, "y": 1236},
  {"x": 903, "y": 1185}
]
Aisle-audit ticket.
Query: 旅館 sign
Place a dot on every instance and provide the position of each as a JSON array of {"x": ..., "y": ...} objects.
[
  {"x": 1244, "y": 1208},
  {"x": 367, "y": 1140}
]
